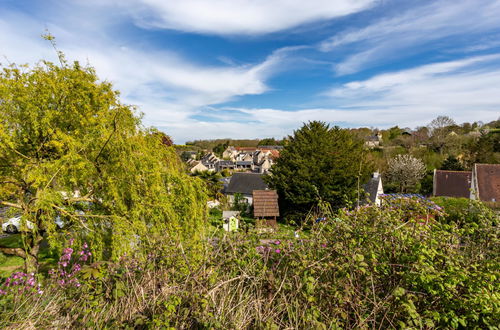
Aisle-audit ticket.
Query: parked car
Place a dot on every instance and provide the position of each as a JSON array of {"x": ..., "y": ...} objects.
[{"x": 13, "y": 225}]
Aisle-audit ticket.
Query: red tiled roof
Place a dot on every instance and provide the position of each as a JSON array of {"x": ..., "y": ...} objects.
[
  {"x": 452, "y": 183},
  {"x": 265, "y": 203},
  {"x": 488, "y": 181}
]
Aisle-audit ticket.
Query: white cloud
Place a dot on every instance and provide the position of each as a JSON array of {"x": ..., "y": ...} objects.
[
  {"x": 166, "y": 87},
  {"x": 388, "y": 38},
  {"x": 464, "y": 89},
  {"x": 230, "y": 17}
]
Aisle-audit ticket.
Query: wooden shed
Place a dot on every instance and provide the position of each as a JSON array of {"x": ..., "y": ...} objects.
[{"x": 265, "y": 207}]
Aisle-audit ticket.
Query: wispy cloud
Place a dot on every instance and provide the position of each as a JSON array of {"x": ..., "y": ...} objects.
[
  {"x": 230, "y": 17},
  {"x": 464, "y": 89},
  {"x": 387, "y": 38},
  {"x": 165, "y": 86}
]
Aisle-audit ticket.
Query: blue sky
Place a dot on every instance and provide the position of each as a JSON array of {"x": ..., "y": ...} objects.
[{"x": 260, "y": 68}]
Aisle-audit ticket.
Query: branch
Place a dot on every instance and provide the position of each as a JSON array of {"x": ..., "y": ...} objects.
[
  {"x": 13, "y": 251},
  {"x": 109, "y": 138},
  {"x": 17, "y": 206}
]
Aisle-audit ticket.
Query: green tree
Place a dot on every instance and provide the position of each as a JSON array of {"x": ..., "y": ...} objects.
[
  {"x": 319, "y": 161},
  {"x": 268, "y": 142},
  {"x": 212, "y": 181},
  {"x": 452, "y": 164},
  {"x": 220, "y": 148},
  {"x": 70, "y": 149}
]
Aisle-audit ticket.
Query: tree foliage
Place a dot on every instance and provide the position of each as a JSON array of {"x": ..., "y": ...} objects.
[
  {"x": 69, "y": 148},
  {"x": 319, "y": 161},
  {"x": 406, "y": 171}
]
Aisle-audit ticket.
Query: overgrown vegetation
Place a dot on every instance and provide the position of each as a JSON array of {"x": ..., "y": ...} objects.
[
  {"x": 70, "y": 150},
  {"x": 359, "y": 269}
]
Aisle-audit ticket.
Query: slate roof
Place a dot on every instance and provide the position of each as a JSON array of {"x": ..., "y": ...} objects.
[
  {"x": 452, "y": 183},
  {"x": 394, "y": 200},
  {"x": 265, "y": 203},
  {"x": 246, "y": 183},
  {"x": 488, "y": 182},
  {"x": 371, "y": 187},
  {"x": 244, "y": 162}
]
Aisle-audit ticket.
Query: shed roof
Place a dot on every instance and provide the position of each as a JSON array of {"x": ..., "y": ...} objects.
[
  {"x": 488, "y": 181},
  {"x": 452, "y": 183},
  {"x": 246, "y": 183},
  {"x": 265, "y": 203}
]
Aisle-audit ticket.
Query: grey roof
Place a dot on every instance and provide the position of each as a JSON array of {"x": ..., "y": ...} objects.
[
  {"x": 228, "y": 214},
  {"x": 246, "y": 183},
  {"x": 371, "y": 188},
  {"x": 225, "y": 162},
  {"x": 244, "y": 162}
]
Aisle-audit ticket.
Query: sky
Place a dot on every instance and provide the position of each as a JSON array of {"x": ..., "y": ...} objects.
[{"x": 206, "y": 69}]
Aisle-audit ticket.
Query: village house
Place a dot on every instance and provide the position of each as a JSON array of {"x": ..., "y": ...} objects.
[
  {"x": 452, "y": 183},
  {"x": 485, "y": 182},
  {"x": 373, "y": 141},
  {"x": 238, "y": 159},
  {"x": 245, "y": 184},
  {"x": 198, "y": 167},
  {"x": 373, "y": 189}
]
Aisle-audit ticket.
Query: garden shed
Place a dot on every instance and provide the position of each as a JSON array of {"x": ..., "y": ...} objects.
[{"x": 265, "y": 207}]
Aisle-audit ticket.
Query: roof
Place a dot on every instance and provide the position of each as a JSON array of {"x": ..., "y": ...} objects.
[
  {"x": 246, "y": 148},
  {"x": 265, "y": 203},
  {"x": 244, "y": 162},
  {"x": 229, "y": 214},
  {"x": 488, "y": 182},
  {"x": 452, "y": 183},
  {"x": 371, "y": 187},
  {"x": 246, "y": 183},
  {"x": 225, "y": 162},
  {"x": 394, "y": 200}
]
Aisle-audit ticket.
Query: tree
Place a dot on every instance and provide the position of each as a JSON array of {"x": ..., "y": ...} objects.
[
  {"x": 268, "y": 142},
  {"x": 318, "y": 162},
  {"x": 439, "y": 129},
  {"x": 405, "y": 171},
  {"x": 212, "y": 181},
  {"x": 220, "y": 148},
  {"x": 452, "y": 164},
  {"x": 70, "y": 149}
]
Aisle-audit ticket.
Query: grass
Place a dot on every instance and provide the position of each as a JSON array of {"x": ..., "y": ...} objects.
[{"x": 11, "y": 263}]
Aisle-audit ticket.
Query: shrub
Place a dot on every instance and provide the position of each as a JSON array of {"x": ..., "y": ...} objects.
[{"x": 365, "y": 268}]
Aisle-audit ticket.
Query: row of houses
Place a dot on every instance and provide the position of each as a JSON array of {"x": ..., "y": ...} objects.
[
  {"x": 482, "y": 183},
  {"x": 238, "y": 159}
]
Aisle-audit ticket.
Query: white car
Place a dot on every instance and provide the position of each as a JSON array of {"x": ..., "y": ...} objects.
[{"x": 13, "y": 225}]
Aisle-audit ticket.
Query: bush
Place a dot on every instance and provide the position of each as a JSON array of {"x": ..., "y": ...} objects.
[
  {"x": 358, "y": 269},
  {"x": 459, "y": 210}
]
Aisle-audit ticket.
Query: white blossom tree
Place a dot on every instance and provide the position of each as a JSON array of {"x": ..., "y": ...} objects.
[{"x": 405, "y": 171}]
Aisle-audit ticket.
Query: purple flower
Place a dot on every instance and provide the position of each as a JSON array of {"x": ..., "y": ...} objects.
[
  {"x": 277, "y": 250},
  {"x": 277, "y": 242}
]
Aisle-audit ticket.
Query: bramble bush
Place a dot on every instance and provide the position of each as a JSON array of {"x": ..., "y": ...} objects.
[{"x": 363, "y": 268}]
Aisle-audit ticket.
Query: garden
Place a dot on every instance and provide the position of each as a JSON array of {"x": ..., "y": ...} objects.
[{"x": 361, "y": 268}]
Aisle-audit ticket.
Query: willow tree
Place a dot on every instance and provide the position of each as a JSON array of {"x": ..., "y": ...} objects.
[{"x": 70, "y": 149}]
